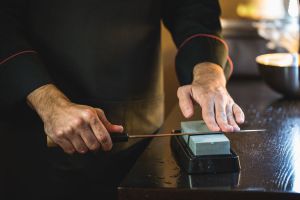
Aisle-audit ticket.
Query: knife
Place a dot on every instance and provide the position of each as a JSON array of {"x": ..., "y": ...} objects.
[{"x": 124, "y": 137}]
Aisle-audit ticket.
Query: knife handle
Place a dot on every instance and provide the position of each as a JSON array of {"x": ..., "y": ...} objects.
[
  {"x": 119, "y": 137},
  {"x": 115, "y": 137}
]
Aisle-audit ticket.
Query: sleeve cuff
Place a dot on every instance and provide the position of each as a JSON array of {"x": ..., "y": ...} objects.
[
  {"x": 20, "y": 74},
  {"x": 201, "y": 48}
]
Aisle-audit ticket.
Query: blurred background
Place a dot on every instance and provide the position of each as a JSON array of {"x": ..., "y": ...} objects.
[{"x": 251, "y": 28}]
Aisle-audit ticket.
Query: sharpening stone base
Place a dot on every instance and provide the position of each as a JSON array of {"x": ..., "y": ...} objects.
[
  {"x": 201, "y": 145},
  {"x": 210, "y": 164}
]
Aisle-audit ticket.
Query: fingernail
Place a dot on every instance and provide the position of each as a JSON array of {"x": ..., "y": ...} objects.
[
  {"x": 236, "y": 128},
  {"x": 82, "y": 151},
  {"x": 118, "y": 127}
]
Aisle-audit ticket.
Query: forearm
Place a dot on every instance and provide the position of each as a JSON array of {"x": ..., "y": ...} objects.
[
  {"x": 45, "y": 99},
  {"x": 209, "y": 74}
]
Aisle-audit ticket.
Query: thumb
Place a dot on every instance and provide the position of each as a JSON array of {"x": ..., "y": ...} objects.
[
  {"x": 109, "y": 126},
  {"x": 185, "y": 101}
]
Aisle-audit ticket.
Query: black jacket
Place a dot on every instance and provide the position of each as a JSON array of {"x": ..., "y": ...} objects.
[{"x": 104, "y": 52}]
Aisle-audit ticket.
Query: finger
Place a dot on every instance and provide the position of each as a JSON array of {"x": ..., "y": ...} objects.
[
  {"x": 101, "y": 134},
  {"x": 89, "y": 138},
  {"x": 185, "y": 101},
  {"x": 238, "y": 114},
  {"x": 208, "y": 116},
  {"x": 65, "y": 144},
  {"x": 230, "y": 117},
  {"x": 222, "y": 117},
  {"x": 77, "y": 142},
  {"x": 109, "y": 126}
]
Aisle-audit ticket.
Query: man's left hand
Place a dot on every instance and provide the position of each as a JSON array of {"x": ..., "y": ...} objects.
[{"x": 208, "y": 89}]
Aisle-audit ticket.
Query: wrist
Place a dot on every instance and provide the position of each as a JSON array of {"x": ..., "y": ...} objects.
[
  {"x": 46, "y": 99},
  {"x": 209, "y": 74}
]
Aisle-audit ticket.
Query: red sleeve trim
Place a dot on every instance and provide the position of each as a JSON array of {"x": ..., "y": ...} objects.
[
  {"x": 230, "y": 64},
  {"x": 213, "y": 37},
  {"x": 15, "y": 55}
]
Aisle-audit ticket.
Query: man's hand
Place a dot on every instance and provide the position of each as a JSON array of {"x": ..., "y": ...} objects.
[
  {"x": 73, "y": 127},
  {"x": 209, "y": 90}
]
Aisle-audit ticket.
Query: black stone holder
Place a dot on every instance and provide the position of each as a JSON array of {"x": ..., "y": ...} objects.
[{"x": 203, "y": 164}]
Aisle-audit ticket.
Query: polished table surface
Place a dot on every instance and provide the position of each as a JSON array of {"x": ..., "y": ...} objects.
[{"x": 270, "y": 161}]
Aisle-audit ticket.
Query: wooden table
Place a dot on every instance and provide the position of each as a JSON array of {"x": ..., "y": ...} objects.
[{"x": 270, "y": 161}]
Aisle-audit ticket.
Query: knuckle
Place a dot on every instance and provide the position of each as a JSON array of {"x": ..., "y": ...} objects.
[
  {"x": 68, "y": 130},
  {"x": 65, "y": 132},
  {"x": 59, "y": 133},
  {"x": 88, "y": 114},
  {"x": 101, "y": 111},
  {"x": 77, "y": 122}
]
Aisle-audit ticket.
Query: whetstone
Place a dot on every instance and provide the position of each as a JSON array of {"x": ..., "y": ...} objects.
[{"x": 200, "y": 145}]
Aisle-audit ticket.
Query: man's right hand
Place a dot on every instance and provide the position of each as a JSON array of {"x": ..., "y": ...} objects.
[{"x": 72, "y": 126}]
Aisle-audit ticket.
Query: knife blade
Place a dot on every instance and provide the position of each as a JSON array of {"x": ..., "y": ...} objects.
[{"x": 124, "y": 137}]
